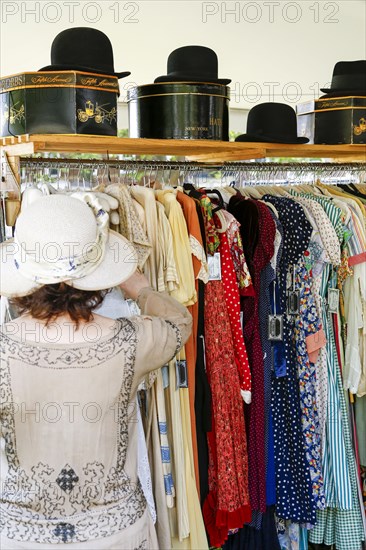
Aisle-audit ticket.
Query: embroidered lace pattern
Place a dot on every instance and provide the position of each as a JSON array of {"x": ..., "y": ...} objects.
[
  {"x": 199, "y": 253},
  {"x": 48, "y": 506},
  {"x": 143, "y": 467}
]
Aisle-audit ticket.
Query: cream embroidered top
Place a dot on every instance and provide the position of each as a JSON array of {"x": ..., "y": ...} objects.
[{"x": 69, "y": 426}]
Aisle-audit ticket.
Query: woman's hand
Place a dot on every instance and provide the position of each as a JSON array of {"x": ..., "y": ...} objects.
[{"x": 134, "y": 285}]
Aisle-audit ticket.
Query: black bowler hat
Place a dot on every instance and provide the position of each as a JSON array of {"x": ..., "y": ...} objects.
[
  {"x": 193, "y": 64},
  {"x": 349, "y": 77},
  {"x": 272, "y": 122},
  {"x": 83, "y": 49}
]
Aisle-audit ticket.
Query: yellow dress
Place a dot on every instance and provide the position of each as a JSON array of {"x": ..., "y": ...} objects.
[{"x": 186, "y": 292}]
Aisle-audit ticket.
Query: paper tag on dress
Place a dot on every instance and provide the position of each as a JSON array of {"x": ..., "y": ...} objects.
[
  {"x": 181, "y": 373},
  {"x": 275, "y": 328},
  {"x": 214, "y": 267},
  {"x": 133, "y": 307},
  {"x": 333, "y": 300},
  {"x": 165, "y": 376},
  {"x": 293, "y": 302}
]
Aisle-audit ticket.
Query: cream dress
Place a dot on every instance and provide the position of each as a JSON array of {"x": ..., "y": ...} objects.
[{"x": 69, "y": 432}]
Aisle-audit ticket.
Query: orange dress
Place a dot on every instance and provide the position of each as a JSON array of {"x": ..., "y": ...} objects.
[{"x": 200, "y": 272}]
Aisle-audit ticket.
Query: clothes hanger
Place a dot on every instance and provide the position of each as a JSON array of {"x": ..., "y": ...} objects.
[
  {"x": 190, "y": 189},
  {"x": 221, "y": 200},
  {"x": 226, "y": 195},
  {"x": 284, "y": 192},
  {"x": 254, "y": 193},
  {"x": 171, "y": 182},
  {"x": 47, "y": 188},
  {"x": 361, "y": 185},
  {"x": 251, "y": 191},
  {"x": 351, "y": 189},
  {"x": 302, "y": 188},
  {"x": 320, "y": 189},
  {"x": 244, "y": 191},
  {"x": 147, "y": 178},
  {"x": 272, "y": 207},
  {"x": 113, "y": 174},
  {"x": 231, "y": 191}
]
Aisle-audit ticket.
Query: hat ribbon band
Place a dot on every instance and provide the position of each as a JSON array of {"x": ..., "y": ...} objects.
[{"x": 35, "y": 267}]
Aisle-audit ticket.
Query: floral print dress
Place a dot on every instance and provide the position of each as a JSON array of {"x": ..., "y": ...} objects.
[{"x": 306, "y": 323}]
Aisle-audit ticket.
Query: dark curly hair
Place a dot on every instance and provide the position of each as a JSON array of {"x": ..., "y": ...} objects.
[{"x": 50, "y": 301}]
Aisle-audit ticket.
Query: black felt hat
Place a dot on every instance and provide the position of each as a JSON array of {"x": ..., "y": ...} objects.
[
  {"x": 83, "y": 49},
  {"x": 349, "y": 78},
  {"x": 192, "y": 64},
  {"x": 272, "y": 122}
]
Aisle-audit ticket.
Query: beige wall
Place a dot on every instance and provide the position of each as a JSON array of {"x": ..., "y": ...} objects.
[{"x": 272, "y": 50}]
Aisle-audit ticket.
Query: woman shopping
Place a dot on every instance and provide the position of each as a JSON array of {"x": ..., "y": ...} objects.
[{"x": 69, "y": 379}]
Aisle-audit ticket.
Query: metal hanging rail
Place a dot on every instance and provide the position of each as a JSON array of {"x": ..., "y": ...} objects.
[
  {"x": 298, "y": 167},
  {"x": 119, "y": 164},
  {"x": 244, "y": 165},
  {"x": 242, "y": 173}
]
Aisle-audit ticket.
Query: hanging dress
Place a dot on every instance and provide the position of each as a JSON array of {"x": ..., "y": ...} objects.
[
  {"x": 294, "y": 488},
  {"x": 227, "y": 504},
  {"x": 341, "y": 522},
  {"x": 258, "y": 233}
]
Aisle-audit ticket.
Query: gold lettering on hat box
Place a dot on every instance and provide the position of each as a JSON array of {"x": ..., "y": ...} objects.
[{"x": 72, "y": 79}]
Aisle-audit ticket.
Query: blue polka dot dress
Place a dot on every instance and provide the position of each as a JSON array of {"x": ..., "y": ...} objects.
[{"x": 293, "y": 482}]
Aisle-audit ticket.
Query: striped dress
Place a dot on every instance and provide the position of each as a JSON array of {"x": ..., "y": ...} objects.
[{"x": 341, "y": 522}]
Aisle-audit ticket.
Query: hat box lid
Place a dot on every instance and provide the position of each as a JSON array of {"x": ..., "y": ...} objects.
[
  {"x": 331, "y": 104},
  {"x": 178, "y": 88},
  {"x": 59, "y": 79}
]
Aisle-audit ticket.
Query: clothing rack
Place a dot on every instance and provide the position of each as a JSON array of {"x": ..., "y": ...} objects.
[
  {"x": 240, "y": 173},
  {"x": 89, "y": 174}
]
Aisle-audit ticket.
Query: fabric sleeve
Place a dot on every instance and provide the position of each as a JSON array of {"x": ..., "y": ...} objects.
[
  {"x": 162, "y": 329},
  {"x": 352, "y": 370}
]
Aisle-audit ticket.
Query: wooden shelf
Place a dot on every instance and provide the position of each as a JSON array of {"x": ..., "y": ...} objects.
[
  {"x": 201, "y": 150},
  {"x": 205, "y": 151}
]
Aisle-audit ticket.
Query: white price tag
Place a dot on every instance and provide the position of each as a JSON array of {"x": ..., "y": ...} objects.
[
  {"x": 214, "y": 267},
  {"x": 333, "y": 300},
  {"x": 133, "y": 307}
]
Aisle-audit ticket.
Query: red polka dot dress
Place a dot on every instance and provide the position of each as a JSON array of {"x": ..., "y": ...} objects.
[
  {"x": 232, "y": 300},
  {"x": 227, "y": 504}
]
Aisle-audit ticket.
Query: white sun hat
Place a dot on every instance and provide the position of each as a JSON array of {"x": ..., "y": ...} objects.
[{"x": 64, "y": 238}]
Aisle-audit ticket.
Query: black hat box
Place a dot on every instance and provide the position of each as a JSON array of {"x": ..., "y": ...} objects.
[
  {"x": 179, "y": 110},
  {"x": 333, "y": 120},
  {"x": 58, "y": 102}
]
